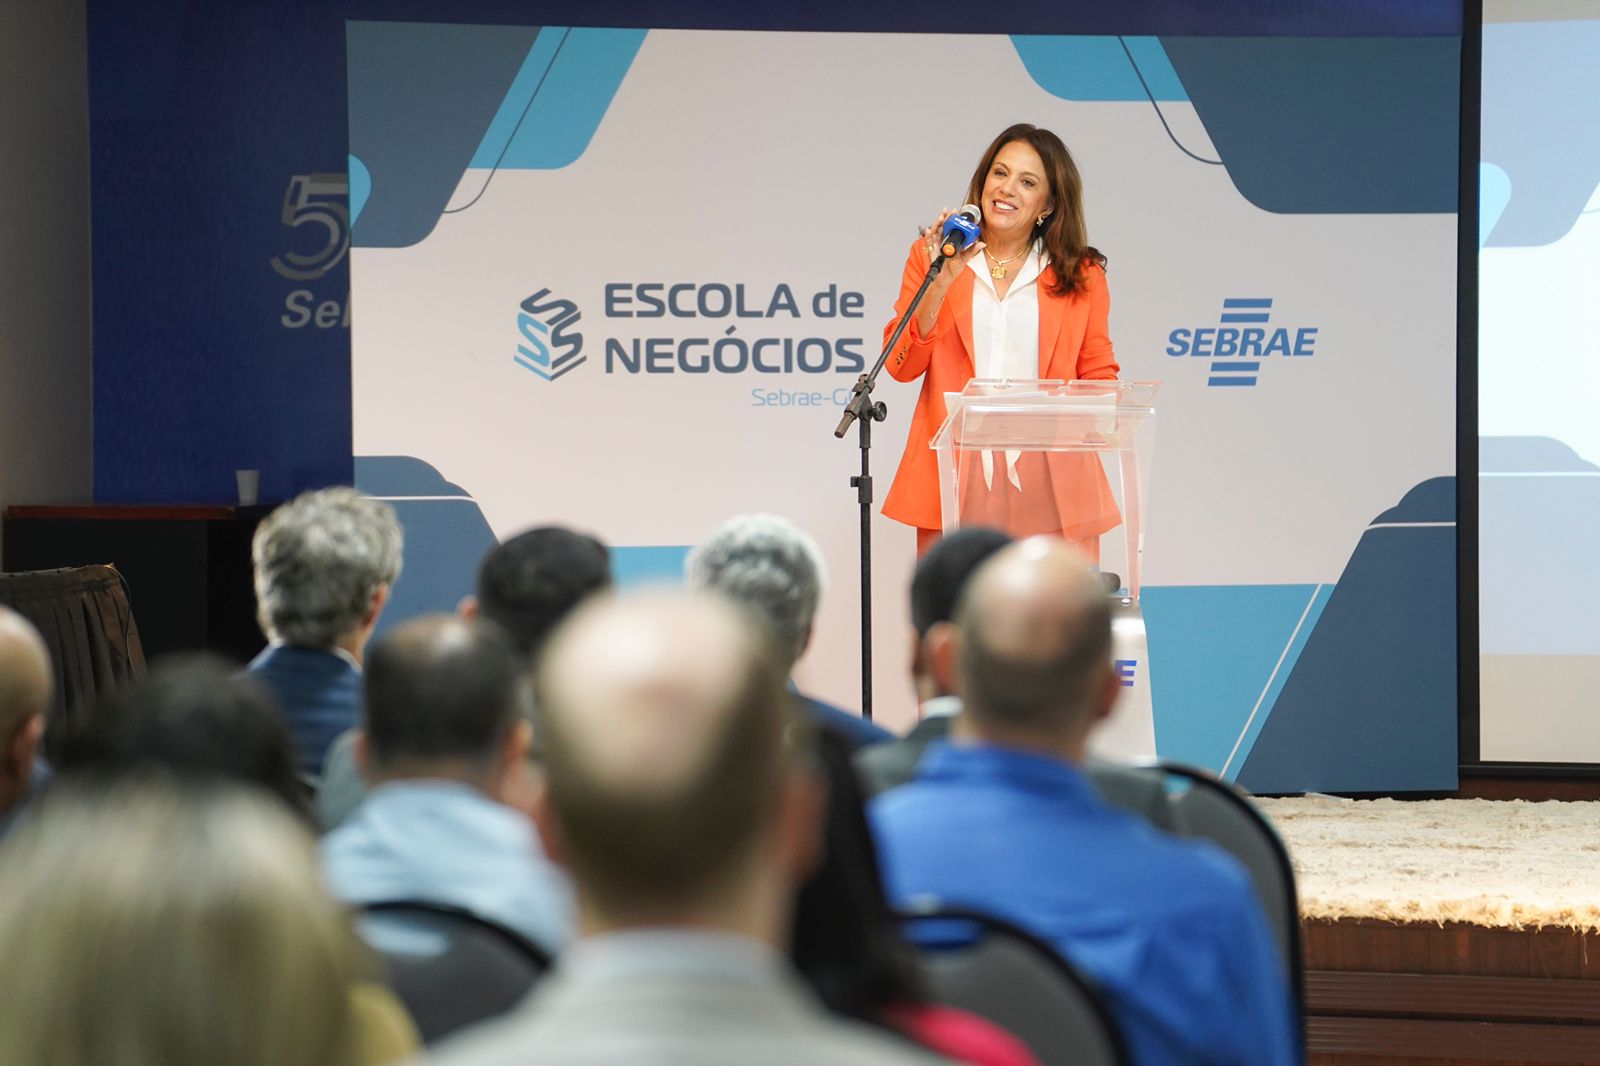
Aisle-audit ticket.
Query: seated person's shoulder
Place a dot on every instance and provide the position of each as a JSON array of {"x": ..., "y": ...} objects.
[
  {"x": 282, "y": 664},
  {"x": 1138, "y": 789},
  {"x": 855, "y": 730},
  {"x": 907, "y": 799},
  {"x": 1201, "y": 876},
  {"x": 888, "y": 765}
]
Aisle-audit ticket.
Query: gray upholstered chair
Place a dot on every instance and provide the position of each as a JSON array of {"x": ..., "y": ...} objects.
[
  {"x": 1206, "y": 807},
  {"x": 448, "y": 966},
  {"x": 1005, "y": 974}
]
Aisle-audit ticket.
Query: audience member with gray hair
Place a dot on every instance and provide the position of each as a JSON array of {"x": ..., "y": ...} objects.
[
  {"x": 324, "y": 563},
  {"x": 27, "y": 684},
  {"x": 776, "y": 571}
]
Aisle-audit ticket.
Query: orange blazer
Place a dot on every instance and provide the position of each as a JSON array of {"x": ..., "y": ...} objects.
[{"x": 1074, "y": 343}]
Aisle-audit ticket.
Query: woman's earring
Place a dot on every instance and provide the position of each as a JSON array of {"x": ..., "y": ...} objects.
[{"x": 1040, "y": 222}]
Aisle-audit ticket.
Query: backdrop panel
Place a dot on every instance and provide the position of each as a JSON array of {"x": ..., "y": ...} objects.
[{"x": 624, "y": 280}]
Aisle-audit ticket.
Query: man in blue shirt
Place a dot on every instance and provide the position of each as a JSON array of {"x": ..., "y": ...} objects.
[
  {"x": 1003, "y": 819},
  {"x": 445, "y": 741}
]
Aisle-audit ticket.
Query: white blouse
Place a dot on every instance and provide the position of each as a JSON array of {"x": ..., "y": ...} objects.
[{"x": 1005, "y": 333}]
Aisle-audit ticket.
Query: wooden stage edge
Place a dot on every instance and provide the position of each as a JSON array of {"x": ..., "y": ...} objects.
[{"x": 1381, "y": 992}]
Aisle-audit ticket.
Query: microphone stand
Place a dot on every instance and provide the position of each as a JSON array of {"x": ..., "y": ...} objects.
[{"x": 864, "y": 411}]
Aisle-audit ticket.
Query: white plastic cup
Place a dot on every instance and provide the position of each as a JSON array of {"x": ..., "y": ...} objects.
[{"x": 249, "y": 487}]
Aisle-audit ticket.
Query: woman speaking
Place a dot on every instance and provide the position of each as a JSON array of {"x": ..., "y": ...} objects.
[{"x": 1026, "y": 301}]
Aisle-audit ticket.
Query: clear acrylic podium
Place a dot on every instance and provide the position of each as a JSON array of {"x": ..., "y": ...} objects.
[{"x": 1069, "y": 458}]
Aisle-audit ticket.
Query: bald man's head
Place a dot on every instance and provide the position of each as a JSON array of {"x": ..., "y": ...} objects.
[
  {"x": 1035, "y": 642},
  {"x": 662, "y": 719},
  {"x": 26, "y": 678},
  {"x": 27, "y": 683}
]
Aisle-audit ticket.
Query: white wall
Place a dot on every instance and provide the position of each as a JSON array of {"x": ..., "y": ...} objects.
[{"x": 45, "y": 428}]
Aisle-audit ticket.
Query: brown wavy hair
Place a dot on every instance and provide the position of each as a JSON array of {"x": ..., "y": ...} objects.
[{"x": 1066, "y": 237}]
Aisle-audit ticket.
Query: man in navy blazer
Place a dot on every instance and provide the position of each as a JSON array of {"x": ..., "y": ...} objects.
[{"x": 324, "y": 563}]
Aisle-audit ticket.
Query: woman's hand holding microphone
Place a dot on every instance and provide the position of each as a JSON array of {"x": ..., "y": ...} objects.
[{"x": 928, "y": 310}]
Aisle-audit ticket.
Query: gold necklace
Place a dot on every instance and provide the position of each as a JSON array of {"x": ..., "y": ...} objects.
[{"x": 998, "y": 271}]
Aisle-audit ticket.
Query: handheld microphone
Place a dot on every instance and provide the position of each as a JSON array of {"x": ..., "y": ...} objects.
[{"x": 960, "y": 230}]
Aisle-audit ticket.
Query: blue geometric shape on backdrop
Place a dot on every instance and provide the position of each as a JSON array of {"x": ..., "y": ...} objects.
[
  {"x": 559, "y": 97},
  {"x": 529, "y": 80},
  {"x": 445, "y": 537},
  {"x": 1371, "y": 706},
  {"x": 1098, "y": 68},
  {"x": 648, "y": 564},
  {"x": 421, "y": 98},
  {"x": 1355, "y": 125},
  {"x": 360, "y": 187},
  {"x": 1214, "y": 653},
  {"x": 1433, "y": 500},
  {"x": 402, "y": 475},
  {"x": 1494, "y": 193},
  {"x": 1262, "y": 714}
]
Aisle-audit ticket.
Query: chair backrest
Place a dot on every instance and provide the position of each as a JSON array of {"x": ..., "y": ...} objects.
[
  {"x": 986, "y": 965},
  {"x": 1207, "y": 807},
  {"x": 450, "y": 967},
  {"x": 85, "y": 616}
]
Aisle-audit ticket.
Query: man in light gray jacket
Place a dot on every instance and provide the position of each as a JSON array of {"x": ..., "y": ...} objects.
[{"x": 679, "y": 796}]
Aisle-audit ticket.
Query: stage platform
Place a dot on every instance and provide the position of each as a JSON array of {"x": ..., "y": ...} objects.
[{"x": 1448, "y": 931}]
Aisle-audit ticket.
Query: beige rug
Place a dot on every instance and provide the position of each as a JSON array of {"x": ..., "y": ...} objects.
[{"x": 1509, "y": 864}]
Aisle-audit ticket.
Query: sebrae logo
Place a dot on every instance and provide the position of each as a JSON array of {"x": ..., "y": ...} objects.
[
  {"x": 550, "y": 349},
  {"x": 316, "y": 208},
  {"x": 1243, "y": 342}
]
